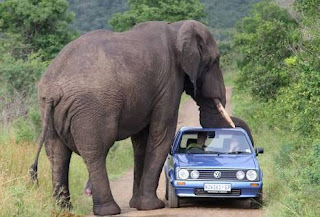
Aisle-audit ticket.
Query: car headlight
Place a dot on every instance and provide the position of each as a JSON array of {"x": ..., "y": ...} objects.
[
  {"x": 240, "y": 175},
  {"x": 194, "y": 174},
  {"x": 252, "y": 175},
  {"x": 183, "y": 174}
]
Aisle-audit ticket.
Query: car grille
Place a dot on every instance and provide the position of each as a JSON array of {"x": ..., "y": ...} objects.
[
  {"x": 225, "y": 174},
  {"x": 201, "y": 191}
]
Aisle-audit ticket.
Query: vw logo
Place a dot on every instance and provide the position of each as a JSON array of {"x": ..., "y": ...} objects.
[{"x": 217, "y": 174}]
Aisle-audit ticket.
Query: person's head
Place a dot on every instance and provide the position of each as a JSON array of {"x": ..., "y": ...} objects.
[
  {"x": 234, "y": 142},
  {"x": 202, "y": 137},
  {"x": 234, "y": 145}
]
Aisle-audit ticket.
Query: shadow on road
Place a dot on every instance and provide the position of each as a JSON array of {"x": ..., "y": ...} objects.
[{"x": 228, "y": 203}]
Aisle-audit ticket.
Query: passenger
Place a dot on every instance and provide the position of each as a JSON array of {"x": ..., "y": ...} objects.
[
  {"x": 234, "y": 145},
  {"x": 198, "y": 148}
]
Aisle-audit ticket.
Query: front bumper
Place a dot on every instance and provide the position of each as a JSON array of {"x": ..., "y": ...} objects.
[{"x": 238, "y": 189}]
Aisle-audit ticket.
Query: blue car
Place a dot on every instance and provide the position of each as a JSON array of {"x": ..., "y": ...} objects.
[{"x": 213, "y": 163}]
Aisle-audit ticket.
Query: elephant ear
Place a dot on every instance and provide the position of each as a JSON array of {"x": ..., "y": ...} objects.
[{"x": 189, "y": 50}]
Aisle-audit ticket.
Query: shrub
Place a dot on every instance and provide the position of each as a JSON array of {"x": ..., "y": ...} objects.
[
  {"x": 23, "y": 130},
  {"x": 263, "y": 41}
]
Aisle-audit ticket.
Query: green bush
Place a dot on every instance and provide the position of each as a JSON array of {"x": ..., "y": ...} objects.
[
  {"x": 263, "y": 41},
  {"x": 43, "y": 24},
  {"x": 23, "y": 130},
  {"x": 149, "y": 10},
  {"x": 21, "y": 75}
]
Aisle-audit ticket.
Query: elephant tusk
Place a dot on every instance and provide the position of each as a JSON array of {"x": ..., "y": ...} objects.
[{"x": 223, "y": 112}]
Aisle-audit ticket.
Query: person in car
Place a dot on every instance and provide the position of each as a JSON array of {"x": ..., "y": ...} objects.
[
  {"x": 197, "y": 147},
  {"x": 236, "y": 146}
]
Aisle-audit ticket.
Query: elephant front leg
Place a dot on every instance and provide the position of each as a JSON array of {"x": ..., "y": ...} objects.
[
  {"x": 158, "y": 146},
  {"x": 139, "y": 142},
  {"x": 60, "y": 156}
]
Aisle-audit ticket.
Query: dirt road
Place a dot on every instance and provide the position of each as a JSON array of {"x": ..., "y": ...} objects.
[{"x": 122, "y": 188}]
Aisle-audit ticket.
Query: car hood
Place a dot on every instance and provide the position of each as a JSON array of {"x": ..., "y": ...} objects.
[{"x": 218, "y": 161}]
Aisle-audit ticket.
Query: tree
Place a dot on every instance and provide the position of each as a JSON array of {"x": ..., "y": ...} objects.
[
  {"x": 264, "y": 40},
  {"x": 42, "y": 24},
  {"x": 91, "y": 15},
  {"x": 225, "y": 14},
  {"x": 156, "y": 10}
]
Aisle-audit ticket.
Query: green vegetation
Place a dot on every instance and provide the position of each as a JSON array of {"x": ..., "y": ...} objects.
[
  {"x": 265, "y": 40},
  {"x": 277, "y": 92},
  {"x": 91, "y": 15},
  {"x": 225, "y": 14},
  {"x": 220, "y": 16},
  {"x": 42, "y": 25},
  {"x": 150, "y": 10}
]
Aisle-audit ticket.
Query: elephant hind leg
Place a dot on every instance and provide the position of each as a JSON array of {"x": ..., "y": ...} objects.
[
  {"x": 93, "y": 137},
  {"x": 59, "y": 156},
  {"x": 139, "y": 142}
]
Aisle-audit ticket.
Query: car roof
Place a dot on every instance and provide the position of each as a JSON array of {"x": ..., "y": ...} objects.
[{"x": 200, "y": 129}]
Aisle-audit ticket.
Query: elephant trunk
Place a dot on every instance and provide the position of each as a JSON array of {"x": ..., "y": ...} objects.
[{"x": 223, "y": 112}]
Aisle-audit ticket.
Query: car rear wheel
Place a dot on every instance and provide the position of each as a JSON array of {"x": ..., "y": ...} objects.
[{"x": 173, "y": 199}]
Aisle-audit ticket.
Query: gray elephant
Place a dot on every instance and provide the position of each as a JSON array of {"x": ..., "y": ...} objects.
[{"x": 104, "y": 87}]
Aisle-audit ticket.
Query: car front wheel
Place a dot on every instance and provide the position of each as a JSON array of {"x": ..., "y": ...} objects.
[
  {"x": 167, "y": 186},
  {"x": 256, "y": 202},
  {"x": 173, "y": 199}
]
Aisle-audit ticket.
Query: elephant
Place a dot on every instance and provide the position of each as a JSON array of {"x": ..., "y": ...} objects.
[{"x": 104, "y": 87}]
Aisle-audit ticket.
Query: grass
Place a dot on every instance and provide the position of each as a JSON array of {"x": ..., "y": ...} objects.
[{"x": 18, "y": 197}]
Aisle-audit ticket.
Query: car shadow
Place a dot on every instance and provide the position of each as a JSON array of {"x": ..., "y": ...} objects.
[{"x": 223, "y": 203}]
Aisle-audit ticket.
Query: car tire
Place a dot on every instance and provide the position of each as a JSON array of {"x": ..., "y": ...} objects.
[
  {"x": 167, "y": 186},
  {"x": 173, "y": 199},
  {"x": 256, "y": 202}
]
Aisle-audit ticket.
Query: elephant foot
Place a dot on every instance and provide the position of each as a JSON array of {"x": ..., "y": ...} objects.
[
  {"x": 149, "y": 204},
  {"x": 62, "y": 198},
  {"x": 133, "y": 202},
  {"x": 64, "y": 204},
  {"x": 106, "y": 209}
]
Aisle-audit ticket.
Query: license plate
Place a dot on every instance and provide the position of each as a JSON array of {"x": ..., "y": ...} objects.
[{"x": 217, "y": 188}]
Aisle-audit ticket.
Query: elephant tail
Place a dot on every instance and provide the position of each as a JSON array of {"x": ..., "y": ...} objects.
[{"x": 47, "y": 117}]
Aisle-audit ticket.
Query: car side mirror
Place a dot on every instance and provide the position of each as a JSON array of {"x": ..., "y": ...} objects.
[{"x": 259, "y": 151}]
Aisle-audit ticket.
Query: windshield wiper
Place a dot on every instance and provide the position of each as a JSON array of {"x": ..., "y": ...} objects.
[
  {"x": 215, "y": 152},
  {"x": 238, "y": 152}
]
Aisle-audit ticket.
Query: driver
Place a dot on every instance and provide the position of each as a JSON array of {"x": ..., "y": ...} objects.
[{"x": 198, "y": 148}]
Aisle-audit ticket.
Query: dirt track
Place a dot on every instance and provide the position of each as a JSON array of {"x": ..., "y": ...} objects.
[{"x": 122, "y": 188}]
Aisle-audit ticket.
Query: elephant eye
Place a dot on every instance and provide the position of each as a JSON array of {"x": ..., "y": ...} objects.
[{"x": 212, "y": 62}]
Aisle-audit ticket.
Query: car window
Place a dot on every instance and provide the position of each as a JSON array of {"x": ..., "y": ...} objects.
[{"x": 226, "y": 142}]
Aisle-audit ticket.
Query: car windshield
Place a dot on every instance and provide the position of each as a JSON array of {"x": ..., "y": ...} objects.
[{"x": 214, "y": 142}]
